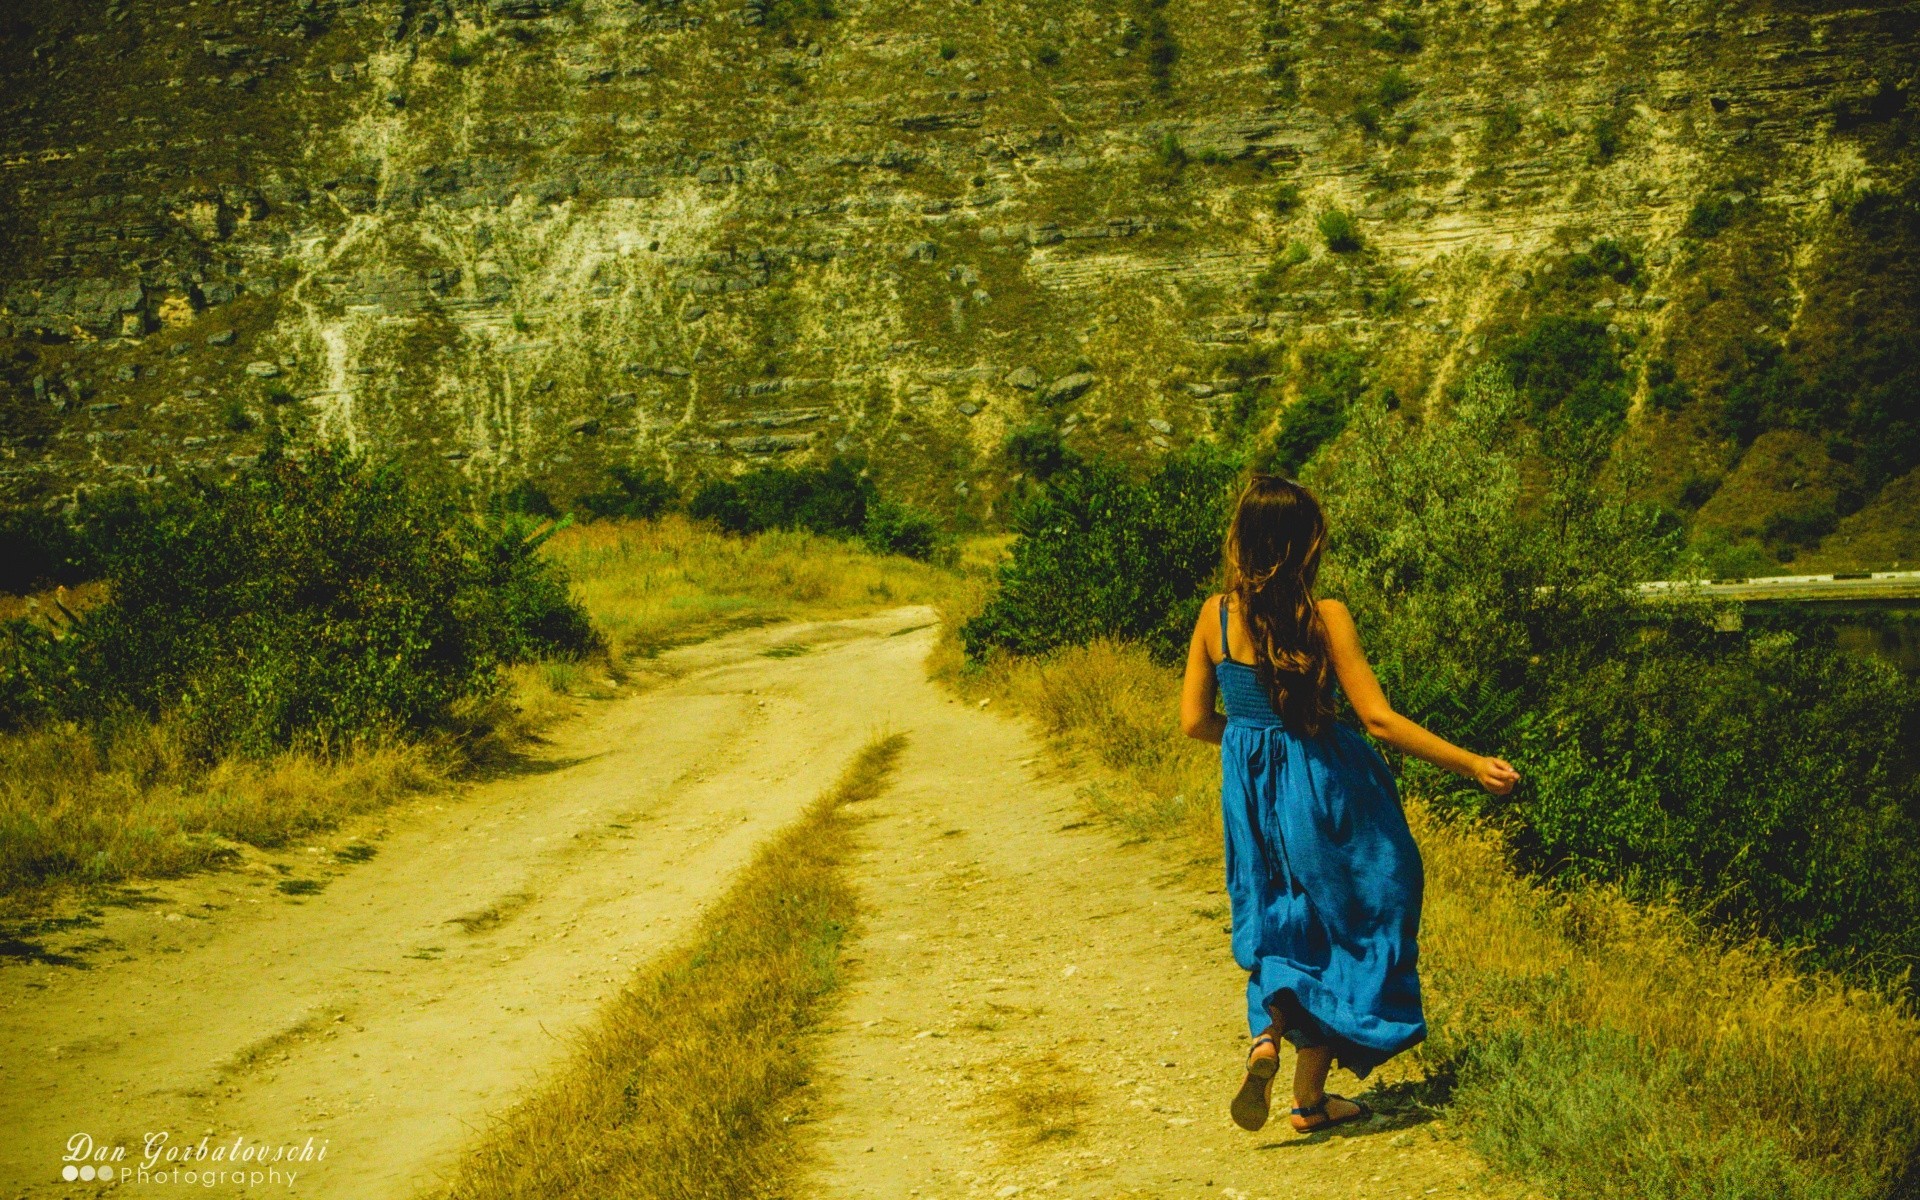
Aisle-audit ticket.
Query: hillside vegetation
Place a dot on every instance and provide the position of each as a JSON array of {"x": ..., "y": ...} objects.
[{"x": 527, "y": 241}]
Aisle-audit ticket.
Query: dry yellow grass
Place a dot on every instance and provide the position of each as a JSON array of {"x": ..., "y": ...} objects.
[
  {"x": 108, "y": 803},
  {"x": 121, "y": 799},
  {"x": 1600, "y": 1047},
  {"x": 686, "y": 1086},
  {"x": 1039, "y": 1096},
  {"x": 654, "y": 584}
]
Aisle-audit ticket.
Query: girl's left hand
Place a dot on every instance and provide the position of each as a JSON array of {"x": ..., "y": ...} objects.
[{"x": 1495, "y": 774}]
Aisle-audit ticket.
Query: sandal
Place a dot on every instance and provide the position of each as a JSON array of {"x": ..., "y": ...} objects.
[
  {"x": 1319, "y": 1109},
  {"x": 1251, "y": 1105}
]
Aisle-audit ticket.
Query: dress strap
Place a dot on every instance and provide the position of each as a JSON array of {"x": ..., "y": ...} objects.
[{"x": 1224, "y": 653}]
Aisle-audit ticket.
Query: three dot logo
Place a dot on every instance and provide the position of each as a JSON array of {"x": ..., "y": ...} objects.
[{"x": 89, "y": 1173}]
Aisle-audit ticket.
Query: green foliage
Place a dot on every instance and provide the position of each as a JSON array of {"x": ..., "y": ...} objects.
[
  {"x": 1709, "y": 216},
  {"x": 1150, "y": 19},
  {"x": 1394, "y": 88},
  {"x": 1333, "y": 385},
  {"x": 1399, "y": 34},
  {"x": 1102, "y": 553},
  {"x": 40, "y": 549},
  {"x": 1765, "y": 774},
  {"x": 948, "y": 51},
  {"x": 37, "y": 549},
  {"x": 1880, "y": 215},
  {"x": 529, "y": 498},
  {"x": 235, "y": 418},
  {"x": 1607, "y": 259},
  {"x": 782, "y": 13},
  {"x": 830, "y": 500},
  {"x": 462, "y": 54},
  {"x": 1170, "y": 155},
  {"x": 1568, "y": 372},
  {"x": 894, "y": 528},
  {"x": 1501, "y": 126},
  {"x": 1865, "y": 396},
  {"x": 1047, "y": 56},
  {"x": 1609, "y": 136},
  {"x": 633, "y": 493},
  {"x": 316, "y": 603},
  {"x": 1666, "y": 391},
  {"x": 1039, "y": 451},
  {"x": 1338, "y": 229},
  {"x": 1286, "y": 198},
  {"x": 837, "y": 500}
]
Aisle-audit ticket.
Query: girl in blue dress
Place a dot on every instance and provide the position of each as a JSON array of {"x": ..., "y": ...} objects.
[{"x": 1323, "y": 877}]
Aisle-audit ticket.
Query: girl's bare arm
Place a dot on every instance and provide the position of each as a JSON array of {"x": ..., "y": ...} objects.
[
  {"x": 1370, "y": 704},
  {"x": 1197, "y": 717}
]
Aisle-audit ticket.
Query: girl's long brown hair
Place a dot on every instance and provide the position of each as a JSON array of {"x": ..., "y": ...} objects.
[{"x": 1273, "y": 556}]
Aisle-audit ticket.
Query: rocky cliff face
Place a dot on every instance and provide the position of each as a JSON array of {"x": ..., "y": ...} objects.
[{"x": 523, "y": 239}]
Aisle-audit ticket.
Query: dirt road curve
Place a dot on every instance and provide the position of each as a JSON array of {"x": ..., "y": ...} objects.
[{"x": 1009, "y": 953}]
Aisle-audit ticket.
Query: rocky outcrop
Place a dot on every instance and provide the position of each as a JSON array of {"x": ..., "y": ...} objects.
[{"x": 460, "y": 231}]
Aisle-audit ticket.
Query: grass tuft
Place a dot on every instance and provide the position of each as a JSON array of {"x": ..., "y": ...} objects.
[
  {"x": 694, "y": 1078},
  {"x": 1040, "y": 1097}
]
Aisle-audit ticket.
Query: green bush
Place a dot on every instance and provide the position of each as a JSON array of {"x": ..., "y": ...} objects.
[
  {"x": 1102, "y": 553},
  {"x": 1609, "y": 136},
  {"x": 893, "y": 528},
  {"x": 316, "y": 603},
  {"x": 1867, "y": 391},
  {"x": 1039, "y": 451},
  {"x": 632, "y": 492},
  {"x": 38, "y": 549},
  {"x": 830, "y": 500},
  {"x": 1399, "y": 34},
  {"x": 1765, "y": 774},
  {"x": 837, "y": 500},
  {"x": 1502, "y": 125},
  {"x": 1568, "y": 371},
  {"x": 1394, "y": 88},
  {"x": 1666, "y": 391},
  {"x": 1337, "y": 228},
  {"x": 1708, "y": 217},
  {"x": 1333, "y": 384},
  {"x": 1605, "y": 257}
]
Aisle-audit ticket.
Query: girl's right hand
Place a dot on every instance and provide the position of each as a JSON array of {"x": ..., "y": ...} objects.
[{"x": 1495, "y": 774}]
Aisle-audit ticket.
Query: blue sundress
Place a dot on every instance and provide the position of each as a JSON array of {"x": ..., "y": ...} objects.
[{"x": 1323, "y": 879}]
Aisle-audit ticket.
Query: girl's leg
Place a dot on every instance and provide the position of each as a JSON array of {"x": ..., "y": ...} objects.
[{"x": 1310, "y": 1068}]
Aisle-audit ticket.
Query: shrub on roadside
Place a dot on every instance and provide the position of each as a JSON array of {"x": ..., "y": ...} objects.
[
  {"x": 307, "y": 604},
  {"x": 1764, "y": 774},
  {"x": 1105, "y": 554}
]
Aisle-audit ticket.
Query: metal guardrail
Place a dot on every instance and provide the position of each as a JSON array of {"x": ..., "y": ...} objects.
[{"x": 1865, "y": 587}]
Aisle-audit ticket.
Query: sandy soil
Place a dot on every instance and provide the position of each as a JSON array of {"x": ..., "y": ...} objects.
[
  {"x": 1035, "y": 1007},
  {"x": 388, "y": 1014},
  {"x": 1031, "y": 1005}
]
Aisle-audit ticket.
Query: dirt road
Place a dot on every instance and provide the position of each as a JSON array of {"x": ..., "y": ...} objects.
[
  {"x": 388, "y": 1014},
  {"x": 1032, "y": 1006},
  {"x": 1036, "y": 1008}
]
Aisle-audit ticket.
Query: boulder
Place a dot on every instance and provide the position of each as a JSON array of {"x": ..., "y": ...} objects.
[{"x": 1067, "y": 387}]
